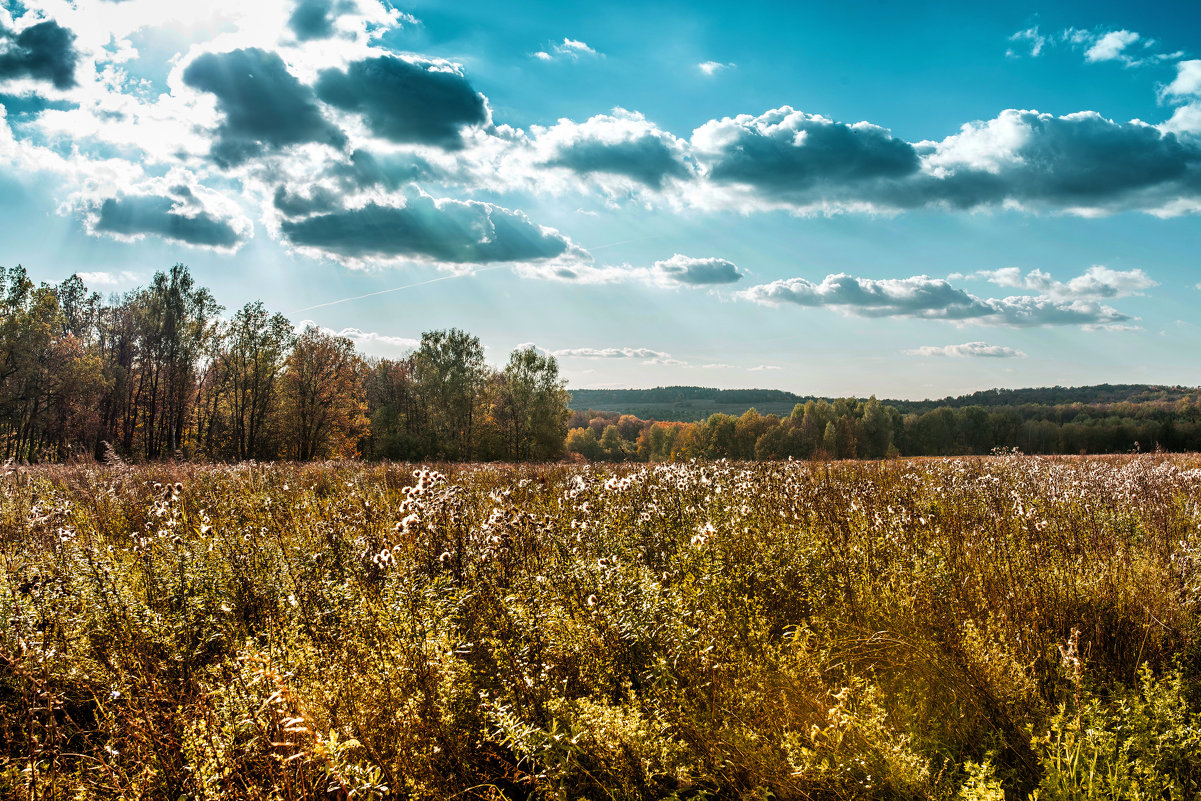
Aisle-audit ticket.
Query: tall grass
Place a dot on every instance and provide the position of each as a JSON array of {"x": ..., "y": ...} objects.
[{"x": 1006, "y": 627}]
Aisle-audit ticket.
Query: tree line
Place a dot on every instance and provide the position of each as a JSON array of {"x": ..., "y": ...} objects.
[
  {"x": 849, "y": 428},
  {"x": 159, "y": 373}
]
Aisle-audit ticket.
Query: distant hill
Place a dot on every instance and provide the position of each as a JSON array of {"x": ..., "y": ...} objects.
[
  {"x": 1055, "y": 396},
  {"x": 688, "y": 404},
  {"x": 685, "y": 404}
]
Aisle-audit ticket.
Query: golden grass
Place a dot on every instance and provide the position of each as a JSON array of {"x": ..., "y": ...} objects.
[{"x": 903, "y": 629}]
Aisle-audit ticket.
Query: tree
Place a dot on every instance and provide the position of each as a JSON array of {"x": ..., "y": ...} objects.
[
  {"x": 877, "y": 429},
  {"x": 175, "y": 322},
  {"x": 583, "y": 442},
  {"x": 450, "y": 373},
  {"x": 241, "y": 381},
  {"x": 532, "y": 407},
  {"x": 611, "y": 444},
  {"x": 323, "y": 409},
  {"x": 397, "y": 424}
]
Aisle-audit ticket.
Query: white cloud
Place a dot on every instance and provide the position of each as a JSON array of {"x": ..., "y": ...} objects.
[
  {"x": 761, "y": 368},
  {"x": 968, "y": 349},
  {"x": 610, "y": 353},
  {"x": 1031, "y": 39},
  {"x": 107, "y": 280},
  {"x": 370, "y": 342},
  {"x": 1098, "y": 282},
  {"x": 679, "y": 271},
  {"x": 569, "y": 49},
  {"x": 620, "y": 153},
  {"x": 714, "y": 67},
  {"x": 1111, "y": 46},
  {"x": 928, "y": 298},
  {"x": 1187, "y": 82},
  {"x": 1127, "y": 47},
  {"x": 367, "y": 339}
]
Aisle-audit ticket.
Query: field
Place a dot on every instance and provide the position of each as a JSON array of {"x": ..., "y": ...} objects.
[{"x": 983, "y": 628}]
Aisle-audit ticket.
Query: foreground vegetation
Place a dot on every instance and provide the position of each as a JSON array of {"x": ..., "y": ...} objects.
[{"x": 1007, "y": 627}]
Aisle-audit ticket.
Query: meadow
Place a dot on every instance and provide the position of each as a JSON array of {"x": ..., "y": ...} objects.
[{"x": 986, "y": 628}]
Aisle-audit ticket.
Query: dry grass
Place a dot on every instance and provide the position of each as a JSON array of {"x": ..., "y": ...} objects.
[{"x": 905, "y": 629}]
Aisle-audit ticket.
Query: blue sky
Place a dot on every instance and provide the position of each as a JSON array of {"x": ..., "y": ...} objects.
[{"x": 904, "y": 199}]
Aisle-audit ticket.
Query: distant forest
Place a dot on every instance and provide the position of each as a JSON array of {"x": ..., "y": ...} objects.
[
  {"x": 159, "y": 373},
  {"x": 1064, "y": 420}
]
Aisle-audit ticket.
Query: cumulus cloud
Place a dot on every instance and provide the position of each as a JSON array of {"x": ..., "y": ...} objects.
[
  {"x": 621, "y": 144},
  {"x": 1080, "y": 162},
  {"x": 314, "y": 19},
  {"x": 968, "y": 350},
  {"x": 369, "y": 341},
  {"x": 109, "y": 280},
  {"x": 611, "y": 353},
  {"x": 425, "y": 228},
  {"x": 919, "y": 296},
  {"x": 1187, "y": 82},
  {"x": 570, "y": 49},
  {"x": 680, "y": 269},
  {"x": 676, "y": 272},
  {"x": 176, "y": 218},
  {"x": 265, "y": 107},
  {"x": 388, "y": 170},
  {"x": 44, "y": 51},
  {"x": 425, "y": 103},
  {"x": 794, "y": 156},
  {"x": 1097, "y": 283},
  {"x": 1111, "y": 46},
  {"x": 929, "y": 298}
]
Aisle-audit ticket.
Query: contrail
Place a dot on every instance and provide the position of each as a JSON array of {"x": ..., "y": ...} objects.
[
  {"x": 627, "y": 241},
  {"x": 393, "y": 289}
]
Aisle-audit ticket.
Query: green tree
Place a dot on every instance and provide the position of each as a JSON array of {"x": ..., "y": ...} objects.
[
  {"x": 450, "y": 374},
  {"x": 240, "y": 384},
  {"x": 532, "y": 407}
]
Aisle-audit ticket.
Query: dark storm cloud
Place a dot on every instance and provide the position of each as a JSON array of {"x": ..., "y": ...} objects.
[
  {"x": 446, "y": 231},
  {"x": 266, "y": 108},
  {"x": 134, "y": 215},
  {"x": 404, "y": 102},
  {"x": 45, "y": 51},
  {"x": 647, "y": 159}
]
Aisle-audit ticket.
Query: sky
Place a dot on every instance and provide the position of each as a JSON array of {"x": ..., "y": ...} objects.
[{"x": 909, "y": 200}]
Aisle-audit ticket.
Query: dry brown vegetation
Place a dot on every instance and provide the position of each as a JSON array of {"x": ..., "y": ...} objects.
[{"x": 978, "y": 628}]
